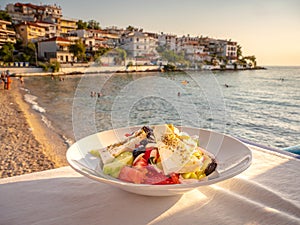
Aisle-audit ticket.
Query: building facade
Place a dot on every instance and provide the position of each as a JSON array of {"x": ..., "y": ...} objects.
[
  {"x": 56, "y": 49},
  {"x": 20, "y": 12},
  {"x": 50, "y": 29},
  {"x": 30, "y": 32},
  {"x": 66, "y": 25},
  {"x": 6, "y": 35},
  {"x": 139, "y": 44}
]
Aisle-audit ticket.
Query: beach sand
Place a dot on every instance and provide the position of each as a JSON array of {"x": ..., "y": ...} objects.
[{"x": 26, "y": 145}]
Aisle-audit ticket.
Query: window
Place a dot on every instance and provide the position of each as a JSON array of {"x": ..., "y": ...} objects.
[
  {"x": 145, "y": 47},
  {"x": 61, "y": 58},
  {"x": 137, "y": 47},
  {"x": 137, "y": 39}
]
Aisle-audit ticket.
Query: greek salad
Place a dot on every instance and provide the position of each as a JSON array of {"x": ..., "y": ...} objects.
[{"x": 157, "y": 155}]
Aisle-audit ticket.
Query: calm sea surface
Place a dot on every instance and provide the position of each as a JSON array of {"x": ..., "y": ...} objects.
[{"x": 262, "y": 106}]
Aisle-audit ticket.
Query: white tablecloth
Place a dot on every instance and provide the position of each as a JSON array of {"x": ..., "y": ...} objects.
[{"x": 266, "y": 193}]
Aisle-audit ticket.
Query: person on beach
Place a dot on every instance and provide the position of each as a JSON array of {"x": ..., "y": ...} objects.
[
  {"x": 3, "y": 79},
  {"x": 5, "y": 82},
  {"x": 21, "y": 80},
  {"x": 93, "y": 94},
  {"x": 8, "y": 81}
]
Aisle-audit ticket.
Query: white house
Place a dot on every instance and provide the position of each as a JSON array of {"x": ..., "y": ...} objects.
[
  {"x": 223, "y": 48},
  {"x": 231, "y": 50},
  {"x": 139, "y": 44},
  {"x": 56, "y": 49},
  {"x": 167, "y": 40}
]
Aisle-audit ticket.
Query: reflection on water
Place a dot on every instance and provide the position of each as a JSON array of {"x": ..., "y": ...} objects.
[{"x": 255, "y": 105}]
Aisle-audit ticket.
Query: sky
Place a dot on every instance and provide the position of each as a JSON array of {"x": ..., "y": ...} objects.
[{"x": 268, "y": 29}]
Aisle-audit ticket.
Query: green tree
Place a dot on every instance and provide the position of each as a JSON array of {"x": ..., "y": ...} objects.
[
  {"x": 101, "y": 51},
  {"x": 93, "y": 24},
  {"x": 27, "y": 53},
  {"x": 7, "y": 52},
  {"x": 30, "y": 50},
  {"x": 81, "y": 25},
  {"x": 130, "y": 28},
  {"x": 173, "y": 57},
  {"x": 78, "y": 49},
  {"x": 121, "y": 54},
  {"x": 55, "y": 66},
  {"x": 22, "y": 57},
  {"x": 252, "y": 58},
  {"x": 239, "y": 52},
  {"x": 5, "y": 16},
  {"x": 161, "y": 48}
]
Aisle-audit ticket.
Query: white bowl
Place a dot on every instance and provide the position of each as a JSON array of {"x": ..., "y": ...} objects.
[{"x": 232, "y": 157}]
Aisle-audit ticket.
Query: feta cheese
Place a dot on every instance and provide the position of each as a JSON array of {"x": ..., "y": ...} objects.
[{"x": 176, "y": 155}]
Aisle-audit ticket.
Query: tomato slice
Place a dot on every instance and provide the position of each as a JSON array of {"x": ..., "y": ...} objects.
[
  {"x": 155, "y": 177},
  {"x": 175, "y": 178},
  {"x": 140, "y": 161},
  {"x": 128, "y": 135},
  {"x": 147, "y": 153}
]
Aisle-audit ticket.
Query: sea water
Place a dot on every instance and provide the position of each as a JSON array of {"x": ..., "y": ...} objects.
[{"x": 262, "y": 106}]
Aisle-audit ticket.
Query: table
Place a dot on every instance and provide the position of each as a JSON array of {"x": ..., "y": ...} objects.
[{"x": 268, "y": 192}]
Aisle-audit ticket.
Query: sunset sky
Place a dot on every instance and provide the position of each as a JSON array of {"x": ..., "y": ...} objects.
[{"x": 268, "y": 29}]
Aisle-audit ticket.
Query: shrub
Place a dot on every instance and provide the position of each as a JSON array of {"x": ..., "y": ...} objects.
[{"x": 55, "y": 66}]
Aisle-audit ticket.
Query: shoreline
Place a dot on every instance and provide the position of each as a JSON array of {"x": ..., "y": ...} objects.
[
  {"x": 80, "y": 70},
  {"x": 27, "y": 145}
]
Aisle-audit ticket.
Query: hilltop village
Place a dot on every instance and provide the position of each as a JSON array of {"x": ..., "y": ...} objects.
[{"x": 39, "y": 35}]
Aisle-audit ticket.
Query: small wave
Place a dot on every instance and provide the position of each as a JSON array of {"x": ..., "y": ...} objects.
[
  {"x": 46, "y": 121},
  {"x": 31, "y": 99},
  {"x": 25, "y": 89},
  {"x": 68, "y": 141},
  {"x": 38, "y": 108}
]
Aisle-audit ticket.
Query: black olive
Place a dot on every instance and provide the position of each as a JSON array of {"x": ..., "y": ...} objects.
[
  {"x": 151, "y": 160},
  {"x": 210, "y": 168},
  {"x": 144, "y": 142},
  {"x": 148, "y": 131},
  {"x": 139, "y": 150}
]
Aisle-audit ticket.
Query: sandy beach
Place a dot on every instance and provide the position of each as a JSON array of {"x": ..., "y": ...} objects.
[{"x": 26, "y": 145}]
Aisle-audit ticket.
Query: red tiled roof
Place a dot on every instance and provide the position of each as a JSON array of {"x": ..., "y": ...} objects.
[
  {"x": 30, "y": 24},
  {"x": 30, "y": 5},
  {"x": 97, "y": 31},
  {"x": 56, "y": 39},
  {"x": 100, "y": 39},
  {"x": 43, "y": 22}
]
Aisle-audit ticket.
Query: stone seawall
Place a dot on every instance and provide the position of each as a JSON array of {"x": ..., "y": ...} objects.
[{"x": 64, "y": 70}]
